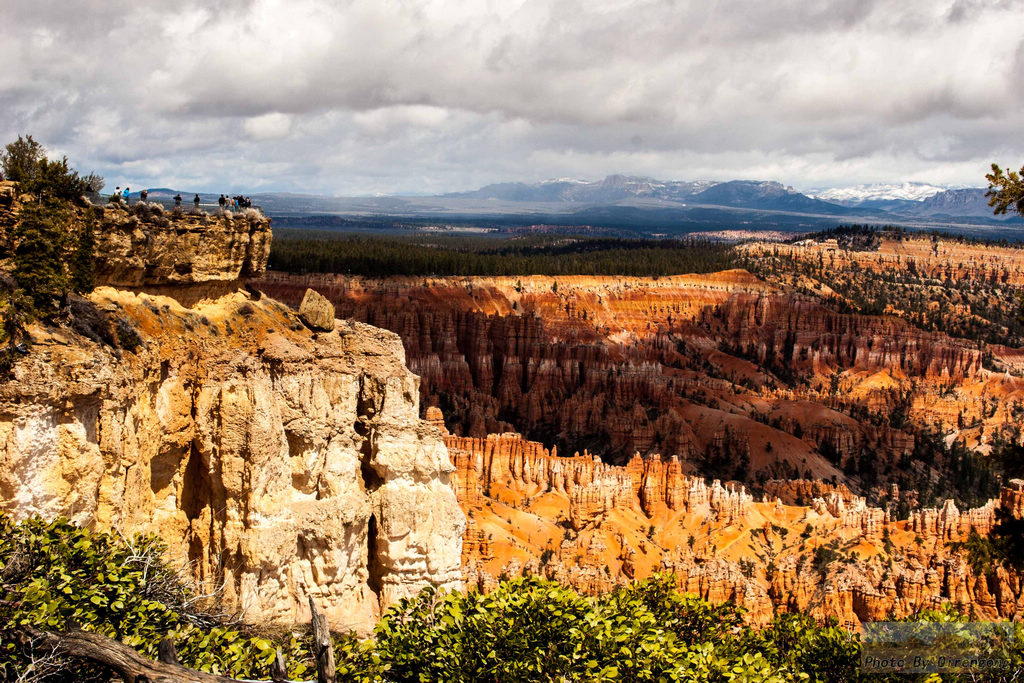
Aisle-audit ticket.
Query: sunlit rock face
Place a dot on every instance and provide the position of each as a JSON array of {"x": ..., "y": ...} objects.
[
  {"x": 276, "y": 461},
  {"x": 596, "y": 526},
  {"x": 739, "y": 378}
]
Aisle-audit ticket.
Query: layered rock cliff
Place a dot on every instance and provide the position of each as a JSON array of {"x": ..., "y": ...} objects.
[
  {"x": 277, "y": 462},
  {"x": 966, "y": 289},
  {"x": 157, "y": 251}
]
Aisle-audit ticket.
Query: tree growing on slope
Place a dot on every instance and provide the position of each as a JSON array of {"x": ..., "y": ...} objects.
[
  {"x": 20, "y": 159},
  {"x": 41, "y": 240}
]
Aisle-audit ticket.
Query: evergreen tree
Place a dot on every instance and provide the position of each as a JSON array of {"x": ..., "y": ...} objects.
[
  {"x": 57, "y": 180},
  {"x": 20, "y": 159},
  {"x": 40, "y": 240},
  {"x": 83, "y": 267},
  {"x": 1005, "y": 190}
]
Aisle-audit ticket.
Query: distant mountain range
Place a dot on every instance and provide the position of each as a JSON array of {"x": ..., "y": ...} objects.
[
  {"x": 612, "y": 189},
  {"x": 747, "y": 194},
  {"x": 904, "y": 199},
  {"x": 632, "y": 204}
]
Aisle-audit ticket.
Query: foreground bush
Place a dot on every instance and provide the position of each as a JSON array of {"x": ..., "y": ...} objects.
[
  {"x": 53, "y": 574},
  {"x": 529, "y": 629}
]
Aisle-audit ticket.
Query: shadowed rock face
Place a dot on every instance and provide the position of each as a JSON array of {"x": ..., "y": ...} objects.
[
  {"x": 145, "y": 246},
  {"x": 162, "y": 251}
]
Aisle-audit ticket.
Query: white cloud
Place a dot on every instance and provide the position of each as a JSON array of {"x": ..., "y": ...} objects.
[
  {"x": 385, "y": 95},
  {"x": 268, "y": 126}
]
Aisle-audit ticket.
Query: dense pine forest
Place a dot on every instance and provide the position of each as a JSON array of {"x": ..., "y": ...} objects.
[
  {"x": 927, "y": 302},
  {"x": 326, "y": 252}
]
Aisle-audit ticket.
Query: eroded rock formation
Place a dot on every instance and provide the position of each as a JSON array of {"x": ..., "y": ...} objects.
[
  {"x": 595, "y": 526},
  {"x": 157, "y": 250},
  {"x": 739, "y": 378},
  {"x": 279, "y": 462}
]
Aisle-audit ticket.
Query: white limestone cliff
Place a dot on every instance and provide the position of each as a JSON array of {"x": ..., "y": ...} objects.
[{"x": 278, "y": 462}]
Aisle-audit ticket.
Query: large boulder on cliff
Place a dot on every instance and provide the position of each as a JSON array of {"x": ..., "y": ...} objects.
[{"x": 316, "y": 311}]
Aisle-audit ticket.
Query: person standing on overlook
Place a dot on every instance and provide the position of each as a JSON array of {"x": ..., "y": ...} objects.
[
  {"x": 177, "y": 200},
  {"x": 196, "y": 200},
  {"x": 127, "y": 193}
]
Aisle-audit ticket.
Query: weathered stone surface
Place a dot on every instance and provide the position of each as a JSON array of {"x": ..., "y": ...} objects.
[
  {"x": 281, "y": 466},
  {"x": 316, "y": 311},
  {"x": 7, "y": 193},
  {"x": 131, "y": 252}
]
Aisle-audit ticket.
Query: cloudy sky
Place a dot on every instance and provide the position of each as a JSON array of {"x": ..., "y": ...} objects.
[{"x": 388, "y": 96}]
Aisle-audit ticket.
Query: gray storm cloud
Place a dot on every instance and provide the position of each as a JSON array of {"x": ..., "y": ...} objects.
[{"x": 391, "y": 96}]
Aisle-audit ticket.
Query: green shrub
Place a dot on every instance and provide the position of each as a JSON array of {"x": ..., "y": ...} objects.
[
  {"x": 127, "y": 336},
  {"x": 527, "y": 629},
  {"x": 54, "y": 574}
]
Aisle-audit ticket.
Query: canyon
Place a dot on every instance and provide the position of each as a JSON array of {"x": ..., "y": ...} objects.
[
  {"x": 743, "y": 432},
  {"x": 740, "y": 378},
  {"x": 353, "y": 439}
]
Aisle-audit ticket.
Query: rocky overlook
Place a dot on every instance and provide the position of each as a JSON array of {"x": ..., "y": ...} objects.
[
  {"x": 277, "y": 461},
  {"x": 185, "y": 250},
  {"x": 144, "y": 247}
]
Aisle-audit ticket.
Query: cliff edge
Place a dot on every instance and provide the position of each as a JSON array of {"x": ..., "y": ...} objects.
[{"x": 277, "y": 461}]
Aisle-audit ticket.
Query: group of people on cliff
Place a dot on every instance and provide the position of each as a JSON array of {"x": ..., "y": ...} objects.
[
  {"x": 237, "y": 202},
  {"x": 225, "y": 202}
]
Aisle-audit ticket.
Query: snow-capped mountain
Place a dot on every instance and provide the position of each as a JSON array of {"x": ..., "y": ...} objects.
[
  {"x": 858, "y": 194},
  {"x": 872, "y": 202},
  {"x": 618, "y": 188}
]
